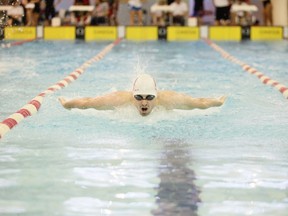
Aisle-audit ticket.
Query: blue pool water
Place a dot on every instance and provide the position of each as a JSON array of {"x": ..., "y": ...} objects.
[{"x": 227, "y": 161}]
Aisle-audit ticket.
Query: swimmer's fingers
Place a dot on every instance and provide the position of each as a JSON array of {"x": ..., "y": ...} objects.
[
  {"x": 223, "y": 99},
  {"x": 62, "y": 101}
]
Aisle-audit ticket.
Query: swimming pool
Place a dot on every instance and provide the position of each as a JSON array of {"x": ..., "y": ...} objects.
[{"x": 223, "y": 161}]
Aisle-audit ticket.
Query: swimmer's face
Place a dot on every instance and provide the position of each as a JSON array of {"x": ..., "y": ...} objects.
[{"x": 144, "y": 104}]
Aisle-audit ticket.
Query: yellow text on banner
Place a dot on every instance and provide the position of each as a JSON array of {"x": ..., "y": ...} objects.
[
  {"x": 100, "y": 33},
  {"x": 177, "y": 33},
  {"x": 266, "y": 33},
  {"x": 20, "y": 33},
  {"x": 225, "y": 33}
]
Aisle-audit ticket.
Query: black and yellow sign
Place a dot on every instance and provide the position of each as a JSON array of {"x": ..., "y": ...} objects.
[
  {"x": 179, "y": 33},
  {"x": 162, "y": 33},
  {"x": 225, "y": 33},
  {"x": 20, "y": 33},
  {"x": 60, "y": 33},
  {"x": 266, "y": 33},
  {"x": 101, "y": 33}
]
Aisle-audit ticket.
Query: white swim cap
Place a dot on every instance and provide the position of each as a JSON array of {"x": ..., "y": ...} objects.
[{"x": 144, "y": 85}]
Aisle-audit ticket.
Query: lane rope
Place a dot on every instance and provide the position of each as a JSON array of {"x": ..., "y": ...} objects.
[
  {"x": 251, "y": 70},
  {"x": 17, "y": 43},
  {"x": 34, "y": 105}
]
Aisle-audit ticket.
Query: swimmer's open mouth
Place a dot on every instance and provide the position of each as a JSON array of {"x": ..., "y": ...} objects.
[{"x": 144, "y": 109}]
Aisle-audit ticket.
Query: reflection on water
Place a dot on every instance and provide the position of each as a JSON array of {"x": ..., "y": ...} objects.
[{"x": 177, "y": 194}]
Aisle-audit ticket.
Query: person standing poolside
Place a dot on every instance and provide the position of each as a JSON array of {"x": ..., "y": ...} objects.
[
  {"x": 267, "y": 12},
  {"x": 179, "y": 10},
  {"x": 222, "y": 13},
  {"x": 15, "y": 14},
  {"x": 135, "y": 7},
  {"x": 50, "y": 11},
  {"x": 113, "y": 12},
  {"x": 100, "y": 13},
  {"x": 145, "y": 97},
  {"x": 159, "y": 16},
  {"x": 198, "y": 10}
]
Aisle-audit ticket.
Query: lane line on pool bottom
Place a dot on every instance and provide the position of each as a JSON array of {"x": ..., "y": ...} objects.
[
  {"x": 34, "y": 105},
  {"x": 262, "y": 77}
]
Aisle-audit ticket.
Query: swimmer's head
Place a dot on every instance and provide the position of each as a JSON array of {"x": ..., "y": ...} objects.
[
  {"x": 144, "y": 93},
  {"x": 144, "y": 85}
]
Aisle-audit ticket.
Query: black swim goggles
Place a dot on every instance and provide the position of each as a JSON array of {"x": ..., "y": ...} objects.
[{"x": 140, "y": 97}]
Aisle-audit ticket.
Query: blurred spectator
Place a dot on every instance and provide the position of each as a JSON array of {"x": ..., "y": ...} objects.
[
  {"x": 100, "y": 13},
  {"x": 15, "y": 15},
  {"x": 29, "y": 6},
  {"x": 36, "y": 12},
  {"x": 81, "y": 18},
  {"x": 50, "y": 10},
  {"x": 267, "y": 12},
  {"x": 198, "y": 10},
  {"x": 81, "y": 2},
  {"x": 179, "y": 11},
  {"x": 3, "y": 18},
  {"x": 41, "y": 19},
  {"x": 32, "y": 8},
  {"x": 242, "y": 13},
  {"x": 135, "y": 11},
  {"x": 65, "y": 17},
  {"x": 159, "y": 13},
  {"x": 222, "y": 13},
  {"x": 113, "y": 12}
]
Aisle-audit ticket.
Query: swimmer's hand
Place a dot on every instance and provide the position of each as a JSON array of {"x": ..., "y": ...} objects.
[
  {"x": 222, "y": 99},
  {"x": 63, "y": 102}
]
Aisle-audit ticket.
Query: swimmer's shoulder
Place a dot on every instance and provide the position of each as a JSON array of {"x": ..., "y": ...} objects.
[
  {"x": 115, "y": 99},
  {"x": 165, "y": 93},
  {"x": 166, "y": 98},
  {"x": 122, "y": 95},
  {"x": 171, "y": 99}
]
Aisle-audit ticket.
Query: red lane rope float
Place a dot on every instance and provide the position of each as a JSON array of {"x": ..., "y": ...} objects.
[
  {"x": 34, "y": 105},
  {"x": 16, "y": 43},
  {"x": 262, "y": 77}
]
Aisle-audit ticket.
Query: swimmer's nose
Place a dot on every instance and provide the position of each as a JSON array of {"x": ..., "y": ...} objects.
[{"x": 144, "y": 103}]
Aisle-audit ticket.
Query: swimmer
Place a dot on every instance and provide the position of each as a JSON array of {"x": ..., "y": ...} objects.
[{"x": 144, "y": 96}]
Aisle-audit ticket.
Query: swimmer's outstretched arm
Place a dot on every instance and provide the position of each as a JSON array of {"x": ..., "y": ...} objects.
[
  {"x": 175, "y": 100},
  {"x": 104, "y": 102}
]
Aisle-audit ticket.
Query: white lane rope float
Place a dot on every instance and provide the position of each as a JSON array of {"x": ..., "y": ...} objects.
[
  {"x": 262, "y": 77},
  {"x": 34, "y": 105}
]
